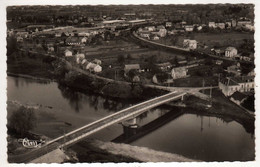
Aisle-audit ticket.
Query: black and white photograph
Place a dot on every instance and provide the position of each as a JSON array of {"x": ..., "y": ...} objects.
[{"x": 130, "y": 83}]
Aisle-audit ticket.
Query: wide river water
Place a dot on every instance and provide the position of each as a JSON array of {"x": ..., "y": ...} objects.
[{"x": 191, "y": 135}]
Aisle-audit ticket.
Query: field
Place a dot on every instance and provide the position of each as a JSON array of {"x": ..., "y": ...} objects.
[{"x": 210, "y": 39}]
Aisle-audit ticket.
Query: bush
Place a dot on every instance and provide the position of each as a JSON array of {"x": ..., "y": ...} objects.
[{"x": 22, "y": 120}]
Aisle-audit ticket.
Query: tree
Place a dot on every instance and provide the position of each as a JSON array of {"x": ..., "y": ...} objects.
[
  {"x": 11, "y": 45},
  {"x": 121, "y": 59},
  {"x": 22, "y": 120}
]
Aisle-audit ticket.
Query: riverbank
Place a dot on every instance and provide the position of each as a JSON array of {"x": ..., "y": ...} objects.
[{"x": 98, "y": 151}]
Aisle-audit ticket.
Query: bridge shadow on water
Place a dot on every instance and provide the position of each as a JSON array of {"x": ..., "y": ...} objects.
[{"x": 132, "y": 134}]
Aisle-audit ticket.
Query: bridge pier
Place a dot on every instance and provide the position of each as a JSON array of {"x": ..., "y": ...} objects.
[
  {"x": 182, "y": 97},
  {"x": 130, "y": 127}
]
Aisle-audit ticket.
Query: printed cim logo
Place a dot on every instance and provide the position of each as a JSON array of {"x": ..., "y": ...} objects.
[{"x": 31, "y": 143}]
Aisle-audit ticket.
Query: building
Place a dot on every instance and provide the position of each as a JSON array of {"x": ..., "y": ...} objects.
[
  {"x": 220, "y": 25},
  {"x": 145, "y": 35},
  {"x": 97, "y": 61},
  {"x": 234, "y": 69},
  {"x": 238, "y": 97},
  {"x": 80, "y": 56},
  {"x": 188, "y": 28},
  {"x": 233, "y": 23},
  {"x": 191, "y": 44},
  {"x": 229, "y": 85},
  {"x": 19, "y": 39},
  {"x": 230, "y": 52},
  {"x": 164, "y": 66},
  {"x": 243, "y": 22},
  {"x": 168, "y": 24},
  {"x": 219, "y": 62},
  {"x": 129, "y": 67},
  {"x": 68, "y": 53},
  {"x": 84, "y": 40},
  {"x": 228, "y": 24},
  {"x": 75, "y": 41},
  {"x": 94, "y": 67},
  {"x": 179, "y": 72},
  {"x": 212, "y": 25}
]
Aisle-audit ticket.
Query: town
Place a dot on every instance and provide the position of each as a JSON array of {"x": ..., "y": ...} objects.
[{"x": 130, "y": 53}]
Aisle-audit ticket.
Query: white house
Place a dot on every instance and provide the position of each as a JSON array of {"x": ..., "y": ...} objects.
[
  {"x": 191, "y": 44},
  {"x": 80, "y": 56},
  {"x": 97, "y": 61},
  {"x": 19, "y": 39},
  {"x": 84, "y": 40},
  {"x": 179, "y": 72},
  {"x": 220, "y": 25},
  {"x": 68, "y": 53},
  {"x": 212, "y": 25},
  {"x": 94, "y": 67},
  {"x": 188, "y": 28},
  {"x": 168, "y": 24},
  {"x": 230, "y": 52}
]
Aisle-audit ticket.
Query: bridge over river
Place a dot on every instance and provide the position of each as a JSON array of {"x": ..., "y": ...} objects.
[{"x": 81, "y": 133}]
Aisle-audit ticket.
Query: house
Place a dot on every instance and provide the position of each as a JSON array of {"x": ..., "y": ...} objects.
[
  {"x": 220, "y": 25},
  {"x": 251, "y": 73},
  {"x": 57, "y": 34},
  {"x": 94, "y": 67},
  {"x": 233, "y": 23},
  {"x": 129, "y": 67},
  {"x": 234, "y": 69},
  {"x": 179, "y": 72},
  {"x": 238, "y": 97},
  {"x": 97, "y": 61},
  {"x": 162, "y": 33},
  {"x": 219, "y": 52},
  {"x": 158, "y": 28},
  {"x": 191, "y": 44},
  {"x": 164, "y": 66},
  {"x": 84, "y": 61},
  {"x": 212, "y": 25},
  {"x": 19, "y": 39},
  {"x": 188, "y": 28},
  {"x": 199, "y": 28},
  {"x": 155, "y": 37},
  {"x": 229, "y": 85},
  {"x": 75, "y": 41},
  {"x": 145, "y": 35},
  {"x": 230, "y": 52},
  {"x": 219, "y": 62},
  {"x": 243, "y": 21},
  {"x": 84, "y": 40},
  {"x": 228, "y": 24},
  {"x": 80, "y": 56},
  {"x": 136, "y": 78},
  {"x": 68, "y": 53},
  {"x": 51, "y": 49},
  {"x": 168, "y": 24},
  {"x": 151, "y": 28},
  {"x": 178, "y": 30}
]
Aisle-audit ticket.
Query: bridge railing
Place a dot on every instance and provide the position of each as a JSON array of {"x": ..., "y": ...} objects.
[{"x": 103, "y": 125}]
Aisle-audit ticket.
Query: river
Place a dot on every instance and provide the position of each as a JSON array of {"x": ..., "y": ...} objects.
[{"x": 195, "y": 136}]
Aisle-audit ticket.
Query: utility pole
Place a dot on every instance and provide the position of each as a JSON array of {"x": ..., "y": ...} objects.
[{"x": 203, "y": 84}]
